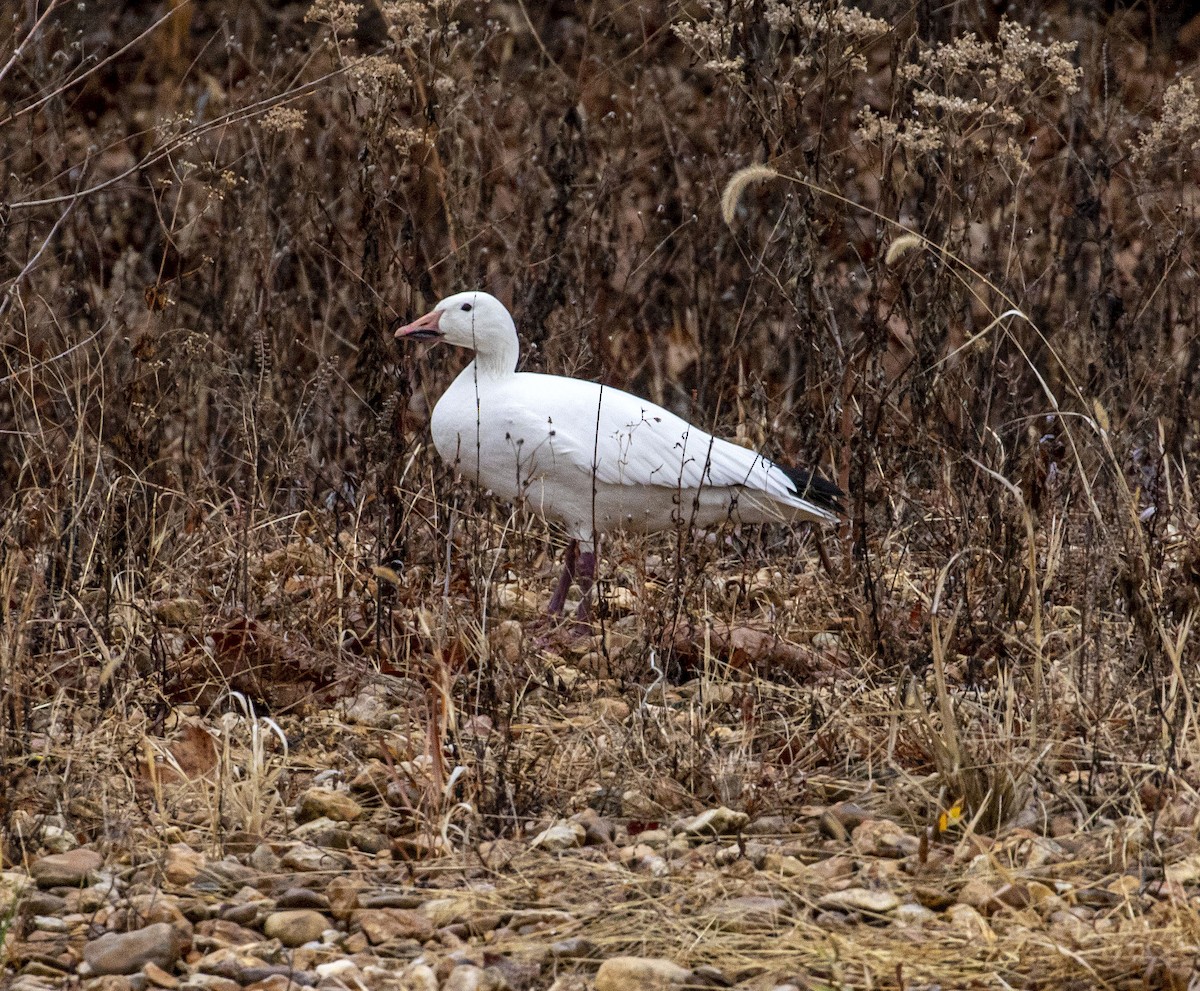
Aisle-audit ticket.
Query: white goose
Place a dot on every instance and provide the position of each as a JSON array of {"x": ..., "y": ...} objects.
[{"x": 591, "y": 457}]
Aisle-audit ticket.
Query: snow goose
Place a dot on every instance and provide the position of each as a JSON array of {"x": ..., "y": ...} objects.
[{"x": 591, "y": 457}]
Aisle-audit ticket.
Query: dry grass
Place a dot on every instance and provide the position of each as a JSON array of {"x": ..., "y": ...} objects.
[{"x": 957, "y": 269}]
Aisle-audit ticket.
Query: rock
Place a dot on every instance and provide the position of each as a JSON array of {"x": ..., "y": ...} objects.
[
  {"x": 302, "y": 898},
  {"x": 978, "y": 893},
  {"x": 369, "y": 840},
  {"x": 209, "y": 982},
  {"x": 225, "y": 933},
  {"x": 336, "y": 805},
  {"x": 505, "y": 640},
  {"x": 159, "y": 977},
  {"x": 419, "y": 977},
  {"x": 880, "y": 838},
  {"x": 573, "y": 948},
  {"x": 510, "y": 597},
  {"x": 749, "y": 914},
  {"x": 368, "y": 709},
  {"x": 769, "y": 826},
  {"x": 832, "y": 868},
  {"x": 640, "y": 974},
  {"x": 306, "y": 857},
  {"x": 33, "y": 902},
  {"x": 714, "y": 822},
  {"x": 177, "y": 612},
  {"x": 224, "y": 876},
  {"x": 182, "y": 865},
  {"x": 597, "y": 830},
  {"x": 785, "y": 865},
  {"x": 859, "y": 900},
  {"x": 970, "y": 923},
  {"x": 561, "y": 836},
  {"x": 340, "y": 969},
  {"x": 343, "y": 893},
  {"x": 1183, "y": 871},
  {"x": 66, "y": 870},
  {"x": 468, "y": 977},
  {"x": 372, "y": 778},
  {"x": 263, "y": 859},
  {"x": 295, "y": 927},
  {"x": 840, "y": 820},
  {"x": 107, "y": 982},
  {"x": 58, "y": 840},
  {"x": 912, "y": 914},
  {"x": 383, "y": 924},
  {"x": 127, "y": 953}
]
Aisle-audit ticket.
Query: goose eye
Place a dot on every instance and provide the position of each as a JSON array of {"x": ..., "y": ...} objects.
[{"x": 466, "y": 307}]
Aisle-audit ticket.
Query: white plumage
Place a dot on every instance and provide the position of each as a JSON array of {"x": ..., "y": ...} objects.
[{"x": 591, "y": 457}]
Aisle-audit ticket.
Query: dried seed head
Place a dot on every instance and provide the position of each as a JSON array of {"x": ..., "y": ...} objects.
[
  {"x": 737, "y": 185},
  {"x": 902, "y": 246}
]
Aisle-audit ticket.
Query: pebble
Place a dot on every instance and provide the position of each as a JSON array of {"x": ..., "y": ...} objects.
[
  {"x": 368, "y": 709},
  {"x": 468, "y": 977},
  {"x": 295, "y": 927},
  {"x": 159, "y": 977},
  {"x": 574, "y": 948},
  {"x": 36, "y": 902},
  {"x": 714, "y": 822},
  {"x": 561, "y": 836},
  {"x": 224, "y": 876},
  {"x": 306, "y": 857},
  {"x": 859, "y": 900},
  {"x": 338, "y": 806},
  {"x": 1183, "y": 871},
  {"x": 597, "y": 830},
  {"x": 383, "y": 924},
  {"x": 302, "y": 898},
  {"x": 222, "y": 933},
  {"x": 209, "y": 982},
  {"x": 880, "y": 838},
  {"x": 72, "y": 869},
  {"x": 750, "y": 914},
  {"x": 912, "y": 914},
  {"x": 182, "y": 864},
  {"x": 640, "y": 974},
  {"x": 419, "y": 977},
  {"x": 970, "y": 923},
  {"x": 840, "y": 820},
  {"x": 127, "y": 953}
]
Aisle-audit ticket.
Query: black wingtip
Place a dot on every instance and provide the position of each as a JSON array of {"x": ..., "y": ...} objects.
[{"x": 817, "y": 490}]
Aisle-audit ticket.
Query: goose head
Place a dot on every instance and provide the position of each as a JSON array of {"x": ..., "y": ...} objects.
[{"x": 474, "y": 320}]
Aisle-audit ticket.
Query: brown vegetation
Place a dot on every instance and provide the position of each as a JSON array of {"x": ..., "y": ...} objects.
[{"x": 964, "y": 282}]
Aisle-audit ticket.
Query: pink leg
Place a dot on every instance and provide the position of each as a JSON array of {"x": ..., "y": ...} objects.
[
  {"x": 559, "y": 599},
  {"x": 586, "y": 578}
]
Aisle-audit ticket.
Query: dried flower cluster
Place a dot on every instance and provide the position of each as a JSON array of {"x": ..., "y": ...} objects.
[
  {"x": 280, "y": 119},
  {"x": 340, "y": 15},
  {"x": 843, "y": 29},
  {"x": 1176, "y": 130},
  {"x": 372, "y": 75},
  {"x": 970, "y": 94}
]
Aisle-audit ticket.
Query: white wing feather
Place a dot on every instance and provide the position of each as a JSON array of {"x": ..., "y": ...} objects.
[{"x": 621, "y": 439}]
